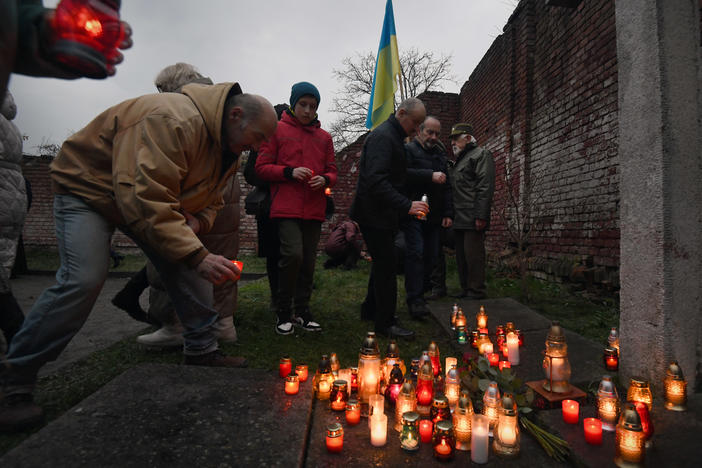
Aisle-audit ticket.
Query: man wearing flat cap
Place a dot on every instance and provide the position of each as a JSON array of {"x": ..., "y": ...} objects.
[{"x": 473, "y": 184}]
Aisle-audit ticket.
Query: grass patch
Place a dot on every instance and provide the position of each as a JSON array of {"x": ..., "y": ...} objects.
[{"x": 336, "y": 305}]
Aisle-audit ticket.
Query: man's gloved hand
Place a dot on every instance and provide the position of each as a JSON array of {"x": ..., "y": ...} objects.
[{"x": 84, "y": 36}]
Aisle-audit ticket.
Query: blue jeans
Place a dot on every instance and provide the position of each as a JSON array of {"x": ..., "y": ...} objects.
[
  {"x": 83, "y": 237},
  {"x": 421, "y": 250}
]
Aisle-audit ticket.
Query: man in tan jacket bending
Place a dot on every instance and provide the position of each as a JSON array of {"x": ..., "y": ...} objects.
[{"x": 155, "y": 167}]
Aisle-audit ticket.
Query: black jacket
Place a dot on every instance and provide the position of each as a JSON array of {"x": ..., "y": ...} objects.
[
  {"x": 421, "y": 164},
  {"x": 380, "y": 199}
]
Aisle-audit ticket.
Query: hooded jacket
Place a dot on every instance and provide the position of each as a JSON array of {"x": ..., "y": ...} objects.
[
  {"x": 143, "y": 162},
  {"x": 296, "y": 145},
  {"x": 473, "y": 185},
  {"x": 421, "y": 165}
]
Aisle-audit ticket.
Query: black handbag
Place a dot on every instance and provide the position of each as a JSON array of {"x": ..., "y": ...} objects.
[{"x": 256, "y": 201}]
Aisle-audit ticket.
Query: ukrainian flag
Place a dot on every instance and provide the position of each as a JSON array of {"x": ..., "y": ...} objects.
[{"x": 387, "y": 68}]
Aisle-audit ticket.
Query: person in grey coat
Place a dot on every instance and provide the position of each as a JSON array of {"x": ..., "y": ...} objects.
[
  {"x": 473, "y": 184},
  {"x": 13, "y": 208}
]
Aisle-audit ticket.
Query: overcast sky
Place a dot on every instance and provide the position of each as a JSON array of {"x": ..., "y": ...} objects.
[{"x": 265, "y": 45}]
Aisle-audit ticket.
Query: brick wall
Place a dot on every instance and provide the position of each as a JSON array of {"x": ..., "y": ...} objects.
[{"x": 544, "y": 100}]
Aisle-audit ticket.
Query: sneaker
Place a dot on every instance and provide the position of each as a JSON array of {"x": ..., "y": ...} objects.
[
  {"x": 19, "y": 412},
  {"x": 167, "y": 336},
  {"x": 308, "y": 325},
  {"x": 215, "y": 359},
  {"x": 284, "y": 328},
  {"x": 224, "y": 330}
]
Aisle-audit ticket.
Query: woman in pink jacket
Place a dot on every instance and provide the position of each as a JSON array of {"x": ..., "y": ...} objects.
[{"x": 299, "y": 163}]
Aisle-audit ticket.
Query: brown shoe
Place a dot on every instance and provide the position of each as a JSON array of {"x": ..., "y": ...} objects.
[
  {"x": 216, "y": 359},
  {"x": 19, "y": 412}
]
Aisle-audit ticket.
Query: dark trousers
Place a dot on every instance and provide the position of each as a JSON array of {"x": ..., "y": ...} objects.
[
  {"x": 470, "y": 260},
  {"x": 421, "y": 248},
  {"x": 269, "y": 247},
  {"x": 298, "y": 253},
  {"x": 381, "y": 297}
]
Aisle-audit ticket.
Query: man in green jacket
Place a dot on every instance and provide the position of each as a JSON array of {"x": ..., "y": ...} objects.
[
  {"x": 154, "y": 166},
  {"x": 473, "y": 184}
]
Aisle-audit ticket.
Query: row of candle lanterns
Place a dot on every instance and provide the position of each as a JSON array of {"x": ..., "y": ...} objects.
[{"x": 422, "y": 412}]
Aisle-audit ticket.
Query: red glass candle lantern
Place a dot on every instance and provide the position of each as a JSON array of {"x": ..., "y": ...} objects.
[
  {"x": 292, "y": 384},
  {"x": 474, "y": 338},
  {"x": 394, "y": 385},
  {"x": 339, "y": 395},
  {"x": 571, "y": 411},
  {"x": 611, "y": 359},
  {"x": 593, "y": 431},
  {"x": 353, "y": 412},
  {"x": 335, "y": 438},
  {"x": 504, "y": 365},
  {"x": 435, "y": 358},
  {"x": 426, "y": 428},
  {"x": 443, "y": 440},
  {"x": 646, "y": 421},
  {"x": 302, "y": 372},
  {"x": 440, "y": 410},
  {"x": 494, "y": 359},
  {"x": 285, "y": 367},
  {"x": 425, "y": 385}
]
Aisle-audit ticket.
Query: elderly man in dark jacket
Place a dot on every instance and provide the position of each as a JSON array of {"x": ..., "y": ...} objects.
[
  {"x": 427, "y": 167},
  {"x": 473, "y": 184},
  {"x": 379, "y": 202}
]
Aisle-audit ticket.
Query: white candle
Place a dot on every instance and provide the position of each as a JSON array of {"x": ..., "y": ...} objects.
[
  {"x": 513, "y": 348},
  {"x": 379, "y": 429},
  {"x": 345, "y": 374},
  {"x": 376, "y": 406},
  {"x": 450, "y": 361},
  {"x": 479, "y": 439}
]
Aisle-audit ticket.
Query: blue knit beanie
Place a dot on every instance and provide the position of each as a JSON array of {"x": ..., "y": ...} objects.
[{"x": 303, "y": 88}]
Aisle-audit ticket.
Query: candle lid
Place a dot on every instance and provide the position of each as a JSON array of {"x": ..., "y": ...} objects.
[
  {"x": 443, "y": 426},
  {"x": 410, "y": 417},
  {"x": 340, "y": 384},
  {"x": 440, "y": 401},
  {"x": 393, "y": 350},
  {"x": 492, "y": 393},
  {"x": 335, "y": 430},
  {"x": 370, "y": 345},
  {"x": 674, "y": 371},
  {"x": 407, "y": 389},
  {"x": 638, "y": 382},
  {"x": 352, "y": 403},
  {"x": 292, "y": 376},
  {"x": 556, "y": 332},
  {"x": 465, "y": 406},
  {"x": 433, "y": 349},
  {"x": 396, "y": 376},
  {"x": 610, "y": 352},
  {"x": 285, "y": 359},
  {"x": 607, "y": 388},
  {"x": 324, "y": 365},
  {"x": 631, "y": 420},
  {"x": 509, "y": 405}
]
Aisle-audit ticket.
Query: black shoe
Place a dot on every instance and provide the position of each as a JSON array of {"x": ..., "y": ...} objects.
[
  {"x": 130, "y": 304},
  {"x": 418, "y": 310},
  {"x": 19, "y": 412},
  {"x": 396, "y": 331}
]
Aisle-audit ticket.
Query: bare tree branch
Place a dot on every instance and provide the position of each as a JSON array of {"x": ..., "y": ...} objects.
[{"x": 422, "y": 71}]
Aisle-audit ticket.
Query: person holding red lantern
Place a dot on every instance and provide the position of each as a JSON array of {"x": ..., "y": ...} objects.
[
  {"x": 139, "y": 165},
  {"x": 80, "y": 38}
]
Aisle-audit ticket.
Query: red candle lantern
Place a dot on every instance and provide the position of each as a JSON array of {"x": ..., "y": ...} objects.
[
  {"x": 440, "y": 410},
  {"x": 292, "y": 384},
  {"x": 335, "y": 438},
  {"x": 339, "y": 395},
  {"x": 504, "y": 365},
  {"x": 285, "y": 367},
  {"x": 435, "y": 358},
  {"x": 494, "y": 359},
  {"x": 425, "y": 385},
  {"x": 611, "y": 359},
  {"x": 302, "y": 371},
  {"x": 426, "y": 427},
  {"x": 593, "y": 431},
  {"x": 571, "y": 411},
  {"x": 353, "y": 412},
  {"x": 474, "y": 338},
  {"x": 520, "y": 336},
  {"x": 444, "y": 441},
  {"x": 394, "y": 384}
]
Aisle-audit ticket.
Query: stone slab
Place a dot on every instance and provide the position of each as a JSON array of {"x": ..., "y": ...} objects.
[
  {"x": 676, "y": 436},
  {"x": 358, "y": 451},
  {"x": 171, "y": 415}
]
